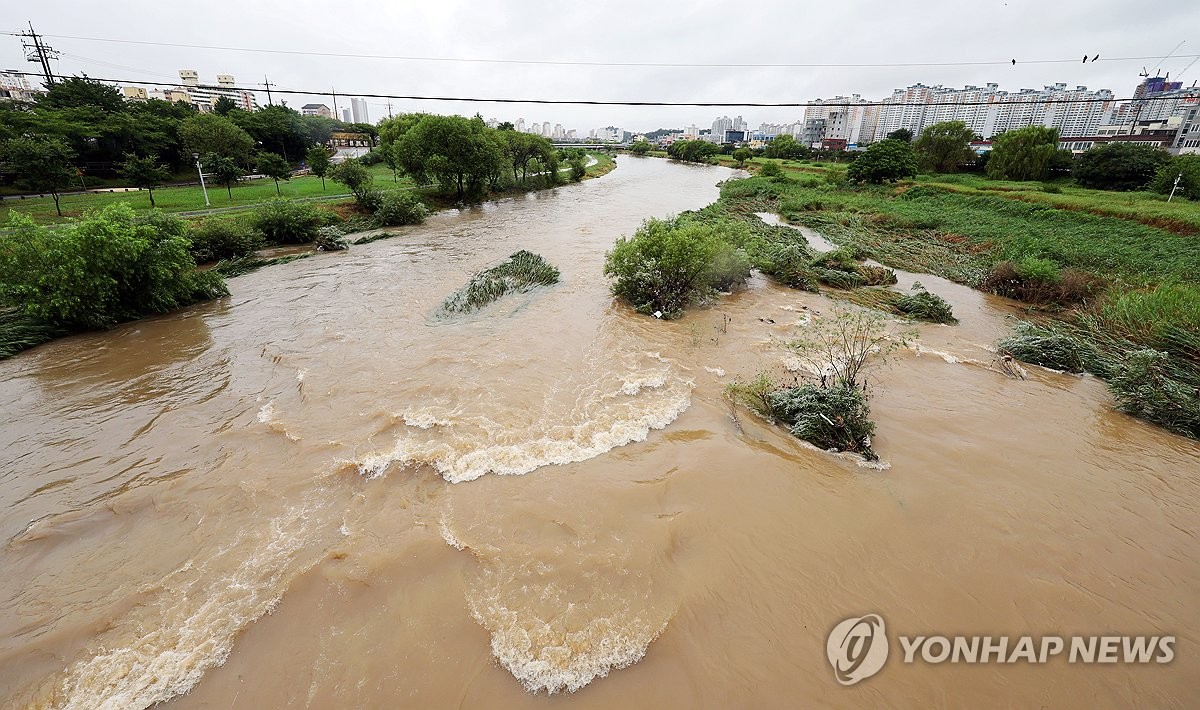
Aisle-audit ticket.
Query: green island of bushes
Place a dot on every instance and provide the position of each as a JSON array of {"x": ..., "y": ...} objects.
[{"x": 1110, "y": 281}]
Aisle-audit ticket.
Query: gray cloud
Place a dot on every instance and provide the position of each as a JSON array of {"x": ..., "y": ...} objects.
[{"x": 852, "y": 31}]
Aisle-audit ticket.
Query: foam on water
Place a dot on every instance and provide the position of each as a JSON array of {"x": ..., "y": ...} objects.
[
  {"x": 188, "y": 627},
  {"x": 558, "y": 632},
  {"x": 464, "y": 447},
  {"x": 266, "y": 414}
]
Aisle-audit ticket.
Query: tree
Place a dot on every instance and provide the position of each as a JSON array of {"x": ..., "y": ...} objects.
[
  {"x": 391, "y": 158},
  {"x": 696, "y": 151},
  {"x": 1184, "y": 167},
  {"x": 392, "y": 129},
  {"x": 278, "y": 129},
  {"x": 353, "y": 175},
  {"x": 1119, "y": 166},
  {"x": 900, "y": 134},
  {"x": 274, "y": 167},
  {"x": 460, "y": 153},
  {"x": 945, "y": 147},
  {"x": 318, "y": 162},
  {"x": 741, "y": 155},
  {"x": 82, "y": 93},
  {"x": 640, "y": 147},
  {"x": 318, "y": 129},
  {"x": 41, "y": 164},
  {"x": 209, "y": 133},
  {"x": 885, "y": 161},
  {"x": 786, "y": 147},
  {"x": 224, "y": 170},
  {"x": 109, "y": 267},
  {"x": 223, "y": 105},
  {"x": 522, "y": 149},
  {"x": 146, "y": 173},
  {"x": 1023, "y": 154},
  {"x": 505, "y": 126}
]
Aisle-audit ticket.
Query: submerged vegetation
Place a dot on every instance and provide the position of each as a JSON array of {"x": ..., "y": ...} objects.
[
  {"x": 830, "y": 408},
  {"x": 1116, "y": 278},
  {"x": 523, "y": 271},
  {"x": 669, "y": 264},
  {"x": 108, "y": 268}
]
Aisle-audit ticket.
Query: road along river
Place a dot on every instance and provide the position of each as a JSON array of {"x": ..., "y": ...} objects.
[{"x": 316, "y": 493}]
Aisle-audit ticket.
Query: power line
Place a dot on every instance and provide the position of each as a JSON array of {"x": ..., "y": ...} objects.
[
  {"x": 587, "y": 102},
  {"x": 578, "y": 63}
]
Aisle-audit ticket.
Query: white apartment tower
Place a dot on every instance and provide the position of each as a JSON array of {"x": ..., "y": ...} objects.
[{"x": 358, "y": 109}]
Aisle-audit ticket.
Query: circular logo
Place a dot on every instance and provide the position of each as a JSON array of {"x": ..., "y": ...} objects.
[{"x": 857, "y": 648}]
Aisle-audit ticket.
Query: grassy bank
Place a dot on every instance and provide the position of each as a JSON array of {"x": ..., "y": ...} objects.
[
  {"x": 1113, "y": 284},
  {"x": 189, "y": 198},
  {"x": 605, "y": 164}
]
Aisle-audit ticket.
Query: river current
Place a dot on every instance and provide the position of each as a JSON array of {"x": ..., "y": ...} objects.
[{"x": 318, "y": 493}]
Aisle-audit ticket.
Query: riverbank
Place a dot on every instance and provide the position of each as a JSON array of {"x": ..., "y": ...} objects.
[
  {"x": 21, "y": 330},
  {"x": 1104, "y": 288}
]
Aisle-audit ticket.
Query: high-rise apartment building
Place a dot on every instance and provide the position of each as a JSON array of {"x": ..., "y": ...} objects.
[
  {"x": 986, "y": 110},
  {"x": 358, "y": 109},
  {"x": 205, "y": 96}
]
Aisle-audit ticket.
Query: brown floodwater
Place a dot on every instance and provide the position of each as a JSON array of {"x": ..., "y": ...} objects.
[{"x": 317, "y": 493}]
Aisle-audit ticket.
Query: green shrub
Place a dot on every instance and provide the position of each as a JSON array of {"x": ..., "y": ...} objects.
[
  {"x": 754, "y": 394},
  {"x": 1040, "y": 345},
  {"x": 668, "y": 264},
  {"x": 400, "y": 207},
  {"x": 789, "y": 264},
  {"x": 836, "y": 177},
  {"x": 839, "y": 279},
  {"x": 1051, "y": 188},
  {"x": 841, "y": 259},
  {"x": 331, "y": 239},
  {"x": 523, "y": 271},
  {"x": 829, "y": 417},
  {"x": 215, "y": 239},
  {"x": 923, "y": 305},
  {"x": 107, "y": 268},
  {"x": 1184, "y": 167},
  {"x": 771, "y": 169},
  {"x": 730, "y": 268},
  {"x": 287, "y": 222},
  {"x": 369, "y": 199},
  {"x": 1032, "y": 268},
  {"x": 1143, "y": 387},
  {"x": 578, "y": 168}
]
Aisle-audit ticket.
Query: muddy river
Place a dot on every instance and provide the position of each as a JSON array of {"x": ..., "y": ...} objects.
[{"x": 315, "y": 493}]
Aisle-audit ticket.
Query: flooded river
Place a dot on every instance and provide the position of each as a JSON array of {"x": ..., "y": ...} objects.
[{"x": 315, "y": 493}]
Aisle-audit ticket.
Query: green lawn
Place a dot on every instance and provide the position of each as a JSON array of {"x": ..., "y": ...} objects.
[{"x": 183, "y": 199}]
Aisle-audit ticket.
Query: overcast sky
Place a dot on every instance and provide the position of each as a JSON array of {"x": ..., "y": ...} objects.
[{"x": 698, "y": 32}]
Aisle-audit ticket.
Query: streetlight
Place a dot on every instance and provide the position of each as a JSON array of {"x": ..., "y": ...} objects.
[
  {"x": 201, "y": 173},
  {"x": 1174, "y": 187}
]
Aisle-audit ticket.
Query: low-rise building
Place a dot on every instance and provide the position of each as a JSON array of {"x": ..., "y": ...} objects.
[
  {"x": 316, "y": 110},
  {"x": 15, "y": 87}
]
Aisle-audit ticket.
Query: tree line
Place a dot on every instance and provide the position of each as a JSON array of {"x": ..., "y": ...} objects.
[
  {"x": 1031, "y": 153},
  {"x": 82, "y": 128}
]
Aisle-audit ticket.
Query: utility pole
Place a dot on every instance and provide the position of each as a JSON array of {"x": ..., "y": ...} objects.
[
  {"x": 38, "y": 51},
  {"x": 267, "y": 83},
  {"x": 336, "y": 115},
  {"x": 389, "y": 108}
]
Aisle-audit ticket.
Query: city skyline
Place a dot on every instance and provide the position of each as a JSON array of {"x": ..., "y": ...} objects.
[{"x": 895, "y": 49}]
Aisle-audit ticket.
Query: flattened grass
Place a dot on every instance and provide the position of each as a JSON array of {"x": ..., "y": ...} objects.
[{"x": 523, "y": 271}]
